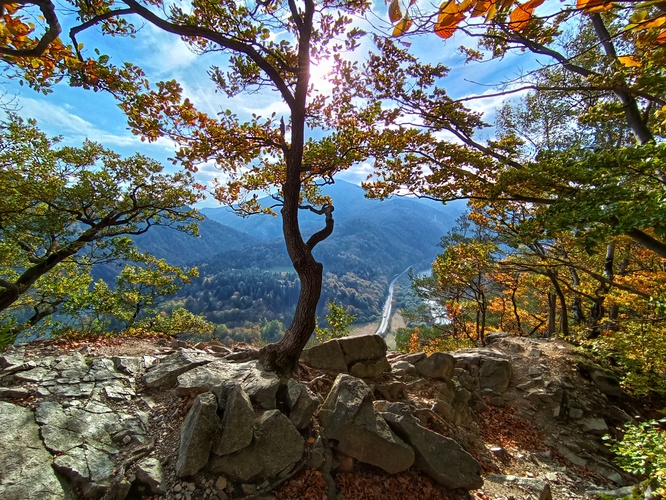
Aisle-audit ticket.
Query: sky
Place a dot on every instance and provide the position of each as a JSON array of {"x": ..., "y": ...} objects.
[{"x": 77, "y": 114}]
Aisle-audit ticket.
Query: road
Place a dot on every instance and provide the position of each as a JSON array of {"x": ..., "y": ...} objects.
[{"x": 386, "y": 315}]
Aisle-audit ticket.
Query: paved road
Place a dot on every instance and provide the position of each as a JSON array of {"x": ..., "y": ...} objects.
[{"x": 386, "y": 315}]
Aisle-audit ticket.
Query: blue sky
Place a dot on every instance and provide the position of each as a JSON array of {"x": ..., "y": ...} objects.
[{"x": 78, "y": 114}]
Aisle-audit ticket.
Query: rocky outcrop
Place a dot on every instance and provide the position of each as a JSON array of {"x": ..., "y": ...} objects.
[{"x": 98, "y": 421}]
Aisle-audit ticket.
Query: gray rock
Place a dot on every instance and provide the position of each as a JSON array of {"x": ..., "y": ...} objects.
[
  {"x": 576, "y": 413},
  {"x": 348, "y": 417},
  {"x": 411, "y": 358},
  {"x": 538, "y": 488},
  {"x": 438, "y": 365},
  {"x": 440, "y": 457},
  {"x": 261, "y": 386},
  {"x": 130, "y": 365},
  {"x": 327, "y": 356},
  {"x": 88, "y": 468},
  {"x": 237, "y": 420},
  {"x": 276, "y": 447},
  {"x": 495, "y": 374},
  {"x": 25, "y": 472},
  {"x": 150, "y": 472},
  {"x": 370, "y": 369},
  {"x": 596, "y": 426},
  {"x": 362, "y": 348},
  {"x": 606, "y": 382},
  {"x": 302, "y": 404},
  {"x": 165, "y": 373},
  {"x": 196, "y": 435},
  {"x": 403, "y": 367},
  {"x": 14, "y": 392},
  {"x": 391, "y": 390}
]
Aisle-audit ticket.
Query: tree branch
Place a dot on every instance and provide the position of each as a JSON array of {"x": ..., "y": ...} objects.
[{"x": 48, "y": 11}]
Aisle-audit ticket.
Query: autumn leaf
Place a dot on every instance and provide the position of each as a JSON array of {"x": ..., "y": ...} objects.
[
  {"x": 522, "y": 14},
  {"x": 594, "y": 5},
  {"x": 395, "y": 14},
  {"x": 402, "y": 27},
  {"x": 630, "y": 61}
]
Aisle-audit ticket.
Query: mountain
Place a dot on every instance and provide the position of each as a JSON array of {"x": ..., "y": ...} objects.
[{"x": 372, "y": 242}]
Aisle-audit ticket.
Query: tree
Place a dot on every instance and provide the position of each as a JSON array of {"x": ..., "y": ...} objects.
[
  {"x": 268, "y": 45},
  {"x": 339, "y": 321},
  {"x": 64, "y": 206}
]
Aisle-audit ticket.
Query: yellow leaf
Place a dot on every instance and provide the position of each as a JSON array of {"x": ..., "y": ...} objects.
[
  {"x": 594, "y": 5},
  {"x": 402, "y": 27},
  {"x": 630, "y": 61},
  {"x": 481, "y": 7},
  {"x": 395, "y": 14},
  {"x": 490, "y": 15}
]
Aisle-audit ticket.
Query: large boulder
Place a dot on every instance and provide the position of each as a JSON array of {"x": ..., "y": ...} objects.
[
  {"x": 440, "y": 457},
  {"x": 349, "y": 418},
  {"x": 438, "y": 365},
  {"x": 26, "y": 472},
  {"x": 196, "y": 435},
  {"x": 261, "y": 386},
  {"x": 276, "y": 447},
  {"x": 237, "y": 419},
  {"x": 165, "y": 373},
  {"x": 302, "y": 403},
  {"x": 364, "y": 356}
]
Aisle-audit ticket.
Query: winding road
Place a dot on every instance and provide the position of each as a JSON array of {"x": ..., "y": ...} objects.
[{"x": 386, "y": 315}]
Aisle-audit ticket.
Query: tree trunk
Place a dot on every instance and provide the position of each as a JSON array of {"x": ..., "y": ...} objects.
[{"x": 552, "y": 312}]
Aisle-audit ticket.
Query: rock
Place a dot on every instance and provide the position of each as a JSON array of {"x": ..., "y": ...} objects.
[
  {"x": 165, "y": 373},
  {"x": 14, "y": 392},
  {"x": 261, "y": 386},
  {"x": 302, "y": 404},
  {"x": 327, "y": 356},
  {"x": 362, "y": 348},
  {"x": 538, "y": 489},
  {"x": 410, "y": 358},
  {"x": 495, "y": 374},
  {"x": 196, "y": 435},
  {"x": 348, "y": 417},
  {"x": 277, "y": 446},
  {"x": 25, "y": 472},
  {"x": 596, "y": 426},
  {"x": 575, "y": 413},
  {"x": 150, "y": 472},
  {"x": 391, "y": 390},
  {"x": 606, "y": 382},
  {"x": 438, "y": 365},
  {"x": 370, "y": 369},
  {"x": 403, "y": 367},
  {"x": 440, "y": 457},
  {"x": 88, "y": 468},
  {"x": 237, "y": 420}
]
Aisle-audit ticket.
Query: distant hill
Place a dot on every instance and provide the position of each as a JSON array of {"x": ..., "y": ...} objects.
[{"x": 372, "y": 241}]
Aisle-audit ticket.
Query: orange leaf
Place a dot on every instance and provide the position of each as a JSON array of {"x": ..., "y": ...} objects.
[
  {"x": 403, "y": 26},
  {"x": 520, "y": 16},
  {"x": 481, "y": 7},
  {"x": 594, "y": 5},
  {"x": 630, "y": 61},
  {"x": 661, "y": 39},
  {"x": 447, "y": 24},
  {"x": 395, "y": 14}
]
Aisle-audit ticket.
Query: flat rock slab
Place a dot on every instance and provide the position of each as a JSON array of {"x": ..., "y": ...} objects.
[
  {"x": 260, "y": 385},
  {"x": 26, "y": 473},
  {"x": 165, "y": 373}
]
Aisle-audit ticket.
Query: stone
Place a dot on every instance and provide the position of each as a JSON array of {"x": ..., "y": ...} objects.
[
  {"x": 14, "y": 392},
  {"x": 26, "y": 472},
  {"x": 150, "y": 472},
  {"x": 370, "y": 369},
  {"x": 302, "y": 404},
  {"x": 130, "y": 365},
  {"x": 196, "y": 435},
  {"x": 362, "y": 348},
  {"x": 327, "y": 356},
  {"x": 88, "y": 468},
  {"x": 261, "y": 386},
  {"x": 276, "y": 447},
  {"x": 166, "y": 373},
  {"x": 438, "y": 365},
  {"x": 495, "y": 374},
  {"x": 596, "y": 426},
  {"x": 410, "y": 358},
  {"x": 440, "y": 457},
  {"x": 403, "y": 367},
  {"x": 221, "y": 483},
  {"x": 537, "y": 488},
  {"x": 348, "y": 417},
  {"x": 606, "y": 382},
  {"x": 237, "y": 420},
  {"x": 576, "y": 413},
  {"x": 391, "y": 390}
]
